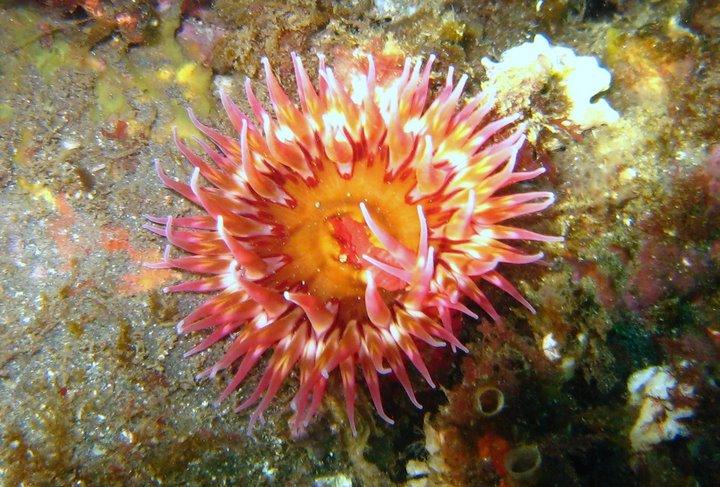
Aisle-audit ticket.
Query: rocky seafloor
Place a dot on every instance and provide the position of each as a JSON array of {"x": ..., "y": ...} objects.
[{"x": 614, "y": 381}]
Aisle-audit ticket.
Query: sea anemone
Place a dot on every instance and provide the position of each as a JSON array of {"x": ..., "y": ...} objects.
[{"x": 342, "y": 231}]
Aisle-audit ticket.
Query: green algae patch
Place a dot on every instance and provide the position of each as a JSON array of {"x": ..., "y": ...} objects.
[
  {"x": 48, "y": 61},
  {"x": 193, "y": 80},
  {"x": 170, "y": 79},
  {"x": 169, "y": 73},
  {"x": 45, "y": 51},
  {"x": 6, "y": 112},
  {"x": 181, "y": 122},
  {"x": 110, "y": 98}
]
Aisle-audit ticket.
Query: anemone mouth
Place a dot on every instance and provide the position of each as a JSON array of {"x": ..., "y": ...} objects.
[
  {"x": 323, "y": 235},
  {"x": 339, "y": 233}
]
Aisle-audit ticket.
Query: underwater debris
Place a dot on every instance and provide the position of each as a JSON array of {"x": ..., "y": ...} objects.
[
  {"x": 664, "y": 402},
  {"x": 339, "y": 480},
  {"x": 431, "y": 471}
]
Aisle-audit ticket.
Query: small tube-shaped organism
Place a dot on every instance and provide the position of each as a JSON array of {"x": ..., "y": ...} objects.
[
  {"x": 522, "y": 465},
  {"x": 489, "y": 401}
]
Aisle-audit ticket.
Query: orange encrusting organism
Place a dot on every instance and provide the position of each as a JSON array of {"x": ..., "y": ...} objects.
[{"x": 338, "y": 232}]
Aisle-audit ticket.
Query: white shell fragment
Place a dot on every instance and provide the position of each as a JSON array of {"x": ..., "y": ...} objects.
[
  {"x": 655, "y": 391},
  {"x": 529, "y": 68},
  {"x": 551, "y": 348}
]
